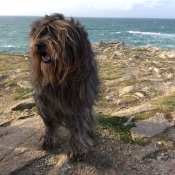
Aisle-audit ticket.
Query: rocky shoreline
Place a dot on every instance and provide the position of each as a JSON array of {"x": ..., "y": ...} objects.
[{"x": 136, "y": 82}]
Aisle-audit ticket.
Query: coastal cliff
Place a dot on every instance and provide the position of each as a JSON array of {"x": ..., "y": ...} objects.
[{"x": 136, "y": 110}]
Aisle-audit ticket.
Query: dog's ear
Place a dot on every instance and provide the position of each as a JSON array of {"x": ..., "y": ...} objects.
[
  {"x": 58, "y": 16},
  {"x": 55, "y": 16},
  {"x": 70, "y": 51}
]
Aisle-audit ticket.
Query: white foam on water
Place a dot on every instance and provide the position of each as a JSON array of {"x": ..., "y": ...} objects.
[
  {"x": 8, "y": 46},
  {"x": 152, "y": 33}
]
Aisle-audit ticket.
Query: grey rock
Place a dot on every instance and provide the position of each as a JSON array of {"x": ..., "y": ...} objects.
[
  {"x": 157, "y": 70},
  {"x": 133, "y": 110},
  {"x": 16, "y": 71},
  {"x": 146, "y": 150},
  {"x": 150, "y": 127},
  {"x": 25, "y": 104},
  {"x": 61, "y": 167},
  {"x": 171, "y": 56},
  {"x": 130, "y": 121},
  {"x": 163, "y": 56},
  {"x": 109, "y": 98},
  {"x": 2, "y": 77},
  {"x": 157, "y": 80},
  {"x": 171, "y": 134},
  {"x": 138, "y": 94},
  {"x": 170, "y": 76},
  {"x": 24, "y": 84},
  {"x": 126, "y": 90},
  {"x": 104, "y": 57},
  {"x": 136, "y": 56},
  {"x": 19, "y": 142}
]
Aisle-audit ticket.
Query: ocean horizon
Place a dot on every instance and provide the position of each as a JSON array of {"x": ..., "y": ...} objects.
[{"x": 155, "y": 32}]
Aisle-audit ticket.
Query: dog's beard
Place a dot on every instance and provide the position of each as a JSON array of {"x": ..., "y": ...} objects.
[{"x": 48, "y": 72}]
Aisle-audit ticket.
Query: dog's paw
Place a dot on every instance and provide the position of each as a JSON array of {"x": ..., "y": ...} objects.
[
  {"x": 77, "y": 155},
  {"x": 48, "y": 143}
]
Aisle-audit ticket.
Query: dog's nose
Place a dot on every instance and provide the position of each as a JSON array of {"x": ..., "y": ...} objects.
[{"x": 40, "y": 45}]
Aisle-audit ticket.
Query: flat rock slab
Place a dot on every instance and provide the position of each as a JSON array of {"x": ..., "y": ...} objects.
[
  {"x": 150, "y": 127},
  {"x": 19, "y": 144},
  {"x": 61, "y": 166},
  {"x": 25, "y": 104},
  {"x": 126, "y": 90},
  {"x": 25, "y": 84},
  {"x": 133, "y": 110},
  {"x": 171, "y": 134}
]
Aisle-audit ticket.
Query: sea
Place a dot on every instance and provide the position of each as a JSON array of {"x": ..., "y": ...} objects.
[{"x": 132, "y": 31}]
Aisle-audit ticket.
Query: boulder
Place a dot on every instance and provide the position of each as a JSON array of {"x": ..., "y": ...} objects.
[
  {"x": 25, "y": 104},
  {"x": 150, "y": 127}
]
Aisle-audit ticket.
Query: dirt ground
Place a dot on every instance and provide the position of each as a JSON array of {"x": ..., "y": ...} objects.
[
  {"x": 130, "y": 77},
  {"x": 20, "y": 153}
]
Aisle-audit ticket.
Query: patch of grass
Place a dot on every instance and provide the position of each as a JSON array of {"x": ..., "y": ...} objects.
[
  {"x": 11, "y": 84},
  {"x": 110, "y": 75},
  {"x": 166, "y": 104},
  {"x": 115, "y": 124},
  {"x": 120, "y": 66},
  {"x": 166, "y": 142},
  {"x": 127, "y": 82},
  {"x": 152, "y": 155},
  {"x": 12, "y": 62},
  {"x": 108, "y": 54},
  {"x": 21, "y": 92},
  {"x": 129, "y": 99},
  {"x": 142, "y": 141},
  {"x": 113, "y": 77},
  {"x": 141, "y": 50},
  {"x": 34, "y": 110},
  {"x": 1, "y": 86},
  {"x": 144, "y": 115}
]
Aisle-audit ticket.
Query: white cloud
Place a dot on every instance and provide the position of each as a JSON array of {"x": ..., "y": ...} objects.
[{"x": 98, "y": 8}]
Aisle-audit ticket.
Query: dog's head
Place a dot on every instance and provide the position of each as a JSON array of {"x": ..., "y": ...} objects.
[{"x": 58, "y": 48}]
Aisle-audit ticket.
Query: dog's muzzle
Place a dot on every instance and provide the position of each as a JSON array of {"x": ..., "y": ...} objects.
[{"x": 41, "y": 47}]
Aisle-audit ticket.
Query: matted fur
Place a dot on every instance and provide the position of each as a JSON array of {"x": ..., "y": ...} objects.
[{"x": 66, "y": 87}]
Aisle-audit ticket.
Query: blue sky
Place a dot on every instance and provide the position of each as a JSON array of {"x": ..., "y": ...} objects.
[{"x": 91, "y": 8}]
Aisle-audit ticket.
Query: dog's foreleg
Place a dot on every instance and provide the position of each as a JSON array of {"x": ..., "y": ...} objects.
[
  {"x": 50, "y": 139},
  {"x": 82, "y": 130}
]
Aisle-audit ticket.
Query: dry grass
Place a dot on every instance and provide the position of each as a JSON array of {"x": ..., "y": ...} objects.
[{"x": 13, "y": 68}]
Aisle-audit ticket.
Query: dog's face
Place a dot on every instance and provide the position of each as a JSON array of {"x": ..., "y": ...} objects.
[
  {"x": 46, "y": 38},
  {"x": 57, "y": 47}
]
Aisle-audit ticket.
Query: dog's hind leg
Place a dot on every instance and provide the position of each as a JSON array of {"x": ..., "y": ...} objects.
[{"x": 82, "y": 130}]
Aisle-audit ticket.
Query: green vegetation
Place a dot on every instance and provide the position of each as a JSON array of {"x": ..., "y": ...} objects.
[
  {"x": 116, "y": 125},
  {"x": 34, "y": 109},
  {"x": 120, "y": 66},
  {"x": 11, "y": 84},
  {"x": 166, "y": 104},
  {"x": 129, "y": 99},
  {"x": 111, "y": 77},
  {"x": 144, "y": 115},
  {"x": 13, "y": 68},
  {"x": 142, "y": 141},
  {"x": 12, "y": 62},
  {"x": 142, "y": 50},
  {"x": 127, "y": 82},
  {"x": 152, "y": 155},
  {"x": 21, "y": 92},
  {"x": 166, "y": 142}
]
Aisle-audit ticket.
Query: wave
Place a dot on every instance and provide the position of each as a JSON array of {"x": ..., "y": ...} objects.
[
  {"x": 152, "y": 33},
  {"x": 9, "y": 46}
]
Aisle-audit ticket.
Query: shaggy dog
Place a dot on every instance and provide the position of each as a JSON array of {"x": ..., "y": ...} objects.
[{"x": 65, "y": 80}]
